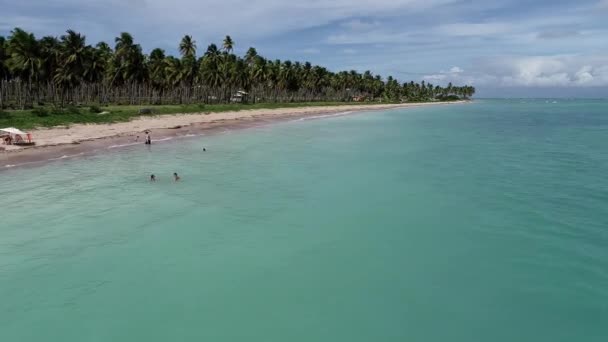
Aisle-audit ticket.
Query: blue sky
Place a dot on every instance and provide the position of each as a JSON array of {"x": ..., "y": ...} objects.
[{"x": 509, "y": 47}]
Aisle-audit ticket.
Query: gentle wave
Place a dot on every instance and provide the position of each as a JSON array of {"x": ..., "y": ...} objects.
[
  {"x": 124, "y": 145},
  {"x": 164, "y": 139},
  {"x": 324, "y": 116},
  {"x": 65, "y": 156},
  {"x": 21, "y": 164}
]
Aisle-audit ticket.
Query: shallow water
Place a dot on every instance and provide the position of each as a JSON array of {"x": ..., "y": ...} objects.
[{"x": 479, "y": 222}]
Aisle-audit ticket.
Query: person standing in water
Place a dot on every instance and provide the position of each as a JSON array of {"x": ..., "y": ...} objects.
[
  {"x": 152, "y": 178},
  {"x": 148, "y": 139},
  {"x": 176, "y": 176}
]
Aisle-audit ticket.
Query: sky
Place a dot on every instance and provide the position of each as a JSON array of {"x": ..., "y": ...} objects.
[{"x": 505, "y": 48}]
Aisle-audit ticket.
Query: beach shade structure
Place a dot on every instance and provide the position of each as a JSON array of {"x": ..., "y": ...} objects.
[
  {"x": 16, "y": 136},
  {"x": 239, "y": 97}
]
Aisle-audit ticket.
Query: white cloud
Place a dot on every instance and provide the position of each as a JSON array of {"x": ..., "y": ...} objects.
[
  {"x": 456, "y": 70},
  {"x": 27, "y": 23},
  {"x": 412, "y": 35},
  {"x": 359, "y": 25},
  {"x": 584, "y": 75},
  {"x": 533, "y": 71},
  {"x": 310, "y": 51},
  {"x": 153, "y": 21},
  {"x": 558, "y": 34},
  {"x": 374, "y": 36},
  {"x": 474, "y": 29}
]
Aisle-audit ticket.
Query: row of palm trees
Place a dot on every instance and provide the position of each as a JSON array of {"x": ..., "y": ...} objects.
[{"x": 58, "y": 69}]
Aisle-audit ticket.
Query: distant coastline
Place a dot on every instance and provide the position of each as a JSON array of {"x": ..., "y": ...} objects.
[{"x": 67, "y": 141}]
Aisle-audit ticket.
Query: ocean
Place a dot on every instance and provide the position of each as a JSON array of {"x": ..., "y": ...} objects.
[{"x": 471, "y": 222}]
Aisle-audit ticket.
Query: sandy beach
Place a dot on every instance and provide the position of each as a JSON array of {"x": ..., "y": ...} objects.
[{"x": 64, "y": 142}]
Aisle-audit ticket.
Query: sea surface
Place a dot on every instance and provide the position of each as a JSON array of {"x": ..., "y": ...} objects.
[{"x": 473, "y": 222}]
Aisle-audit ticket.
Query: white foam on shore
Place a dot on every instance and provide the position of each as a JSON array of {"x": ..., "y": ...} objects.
[
  {"x": 8, "y": 166},
  {"x": 163, "y": 139},
  {"x": 324, "y": 116},
  {"x": 65, "y": 156},
  {"x": 124, "y": 145}
]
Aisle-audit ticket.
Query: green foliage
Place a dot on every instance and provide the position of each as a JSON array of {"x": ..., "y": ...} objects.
[
  {"x": 71, "y": 109},
  {"x": 67, "y": 69},
  {"x": 41, "y": 112},
  {"x": 95, "y": 110},
  {"x": 55, "y": 116},
  {"x": 448, "y": 98}
]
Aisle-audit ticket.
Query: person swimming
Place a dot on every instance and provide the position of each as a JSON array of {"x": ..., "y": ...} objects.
[
  {"x": 204, "y": 149},
  {"x": 152, "y": 178},
  {"x": 176, "y": 176}
]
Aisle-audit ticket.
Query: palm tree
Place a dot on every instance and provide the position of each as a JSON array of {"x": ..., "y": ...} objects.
[
  {"x": 49, "y": 58},
  {"x": 251, "y": 56},
  {"x": 258, "y": 71},
  {"x": 72, "y": 64},
  {"x": 228, "y": 44},
  {"x": 73, "y": 52},
  {"x": 4, "y": 72},
  {"x": 209, "y": 67},
  {"x": 212, "y": 53},
  {"x": 24, "y": 60},
  {"x": 123, "y": 46},
  {"x": 187, "y": 47},
  {"x": 190, "y": 66},
  {"x": 156, "y": 68},
  {"x": 96, "y": 63},
  {"x": 128, "y": 61},
  {"x": 173, "y": 71}
]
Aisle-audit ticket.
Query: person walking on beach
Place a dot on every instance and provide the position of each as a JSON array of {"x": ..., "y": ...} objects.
[{"x": 176, "y": 176}]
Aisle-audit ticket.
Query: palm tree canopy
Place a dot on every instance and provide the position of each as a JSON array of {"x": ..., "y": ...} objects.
[
  {"x": 3, "y": 57},
  {"x": 228, "y": 44},
  {"x": 212, "y": 51},
  {"x": 251, "y": 55},
  {"x": 187, "y": 47},
  {"x": 24, "y": 55},
  {"x": 69, "y": 62},
  {"x": 124, "y": 41}
]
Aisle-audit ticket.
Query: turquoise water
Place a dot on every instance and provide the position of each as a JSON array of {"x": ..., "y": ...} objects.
[{"x": 479, "y": 222}]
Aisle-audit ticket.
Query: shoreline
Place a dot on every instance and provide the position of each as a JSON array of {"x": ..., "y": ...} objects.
[{"x": 59, "y": 143}]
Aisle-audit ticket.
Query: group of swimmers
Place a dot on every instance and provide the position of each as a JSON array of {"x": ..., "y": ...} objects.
[
  {"x": 175, "y": 176},
  {"x": 149, "y": 142}
]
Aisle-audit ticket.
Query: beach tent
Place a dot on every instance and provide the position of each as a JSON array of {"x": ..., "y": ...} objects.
[
  {"x": 15, "y": 132},
  {"x": 12, "y": 130}
]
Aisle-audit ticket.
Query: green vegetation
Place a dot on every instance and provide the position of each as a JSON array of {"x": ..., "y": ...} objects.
[
  {"x": 61, "y": 80},
  {"x": 55, "y": 116}
]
